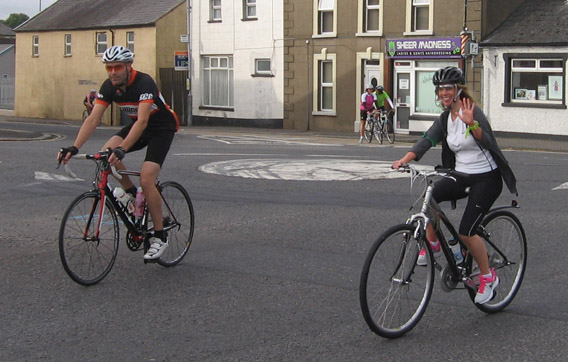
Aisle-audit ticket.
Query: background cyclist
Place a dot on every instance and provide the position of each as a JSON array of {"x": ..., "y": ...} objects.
[
  {"x": 153, "y": 126},
  {"x": 368, "y": 105},
  {"x": 89, "y": 100},
  {"x": 383, "y": 96},
  {"x": 469, "y": 147}
]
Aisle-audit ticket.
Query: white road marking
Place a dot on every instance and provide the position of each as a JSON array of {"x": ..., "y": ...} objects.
[
  {"x": 564, "y": 186},
  {"x": 255, "y": 140},
  {"x": 304, "y": 170},
  {"x": 44, "y": 176}
]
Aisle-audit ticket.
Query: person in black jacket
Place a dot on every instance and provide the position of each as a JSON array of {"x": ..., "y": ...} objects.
[{"x": 470, "y": 149}]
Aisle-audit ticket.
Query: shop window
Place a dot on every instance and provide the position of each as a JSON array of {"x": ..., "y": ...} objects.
[
  {"x": 249, "y": 10},
  {"x": 535, "y": 81},
  {"x": 325, "y": 83},
  {"x": 101, "y": 42},
  {"x": 419, "y": 17},
  {"x": 218, "y": 84},
  {"x": 67, "y": 40},
  {"x": 35, "y": 45},
  {"x": 326, "y": 17},
  {"x": 215, "y": 10}
]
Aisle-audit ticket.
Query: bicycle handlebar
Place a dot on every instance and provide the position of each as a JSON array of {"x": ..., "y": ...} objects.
[{"x": 101, "y": 156}]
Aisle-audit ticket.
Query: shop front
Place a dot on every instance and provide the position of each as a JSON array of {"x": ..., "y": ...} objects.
[{"x": 413, "y": 63}]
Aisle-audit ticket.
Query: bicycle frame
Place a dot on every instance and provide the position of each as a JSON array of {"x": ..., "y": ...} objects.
[{"x": 431, "y": 213}]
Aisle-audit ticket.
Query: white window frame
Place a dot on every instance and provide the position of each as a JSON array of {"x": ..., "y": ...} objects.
[
  {"x": 215, "y": 10},
  {"x": 321, "y": 7},
  {"x": 35, "y": 45},
  {"x": 130, "y": 40},
  {"x": 411, "y": 7},
  {"x": 537, "y": 68},
  {"x": 101, "y": 45},
  {"x": 67, "y": 45},
  {"x": 363, "y": 15},
  {"x": 248, "y": 7},
  {"x": 258, "y": 71},
  {"x": 206, "y": 71},
  {"x": 318, "y": 84}
]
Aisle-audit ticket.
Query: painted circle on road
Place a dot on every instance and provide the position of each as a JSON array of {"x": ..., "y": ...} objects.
[{"x": 304, "y": 170}]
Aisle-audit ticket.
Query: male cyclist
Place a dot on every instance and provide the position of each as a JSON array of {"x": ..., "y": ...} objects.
[
  {"x": 89, "y": 100},
  {"x": 153, "y": 126},
  {"x": 382, "y": 96}
]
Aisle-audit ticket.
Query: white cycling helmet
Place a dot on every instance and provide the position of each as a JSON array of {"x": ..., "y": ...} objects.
[{"x": 118, "y": 53}]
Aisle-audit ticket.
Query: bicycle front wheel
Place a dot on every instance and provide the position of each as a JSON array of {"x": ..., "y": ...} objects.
[
  {"x": 178, "y": 222},
  {"x": 368, "y": 131},
  {"x": 389, "y": 130},
  {"x": 378, "y": 133},
  {"x": 88, "y": 239},
  {"x": 507, "y": 250},
  {"x": 393, "y": 291}
]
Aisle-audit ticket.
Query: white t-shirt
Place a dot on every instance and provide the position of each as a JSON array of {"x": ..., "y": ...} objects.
[{"x": 470, "y": 158}]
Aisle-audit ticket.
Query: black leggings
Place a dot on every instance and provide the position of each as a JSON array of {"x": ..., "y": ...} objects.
[{"x": 484, "y": 189}]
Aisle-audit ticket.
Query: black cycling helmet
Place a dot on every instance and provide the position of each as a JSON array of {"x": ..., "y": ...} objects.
[
  {"x": 450, "y": 75},
  {"x": 380, "y": 88}
]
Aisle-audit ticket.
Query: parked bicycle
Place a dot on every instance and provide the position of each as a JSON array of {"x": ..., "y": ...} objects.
[
  {"x": 394, "y": 292},
  {"x": 89, "y": 231},
  {"x": 380, "y": 126}
]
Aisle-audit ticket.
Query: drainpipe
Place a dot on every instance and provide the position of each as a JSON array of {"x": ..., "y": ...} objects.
[{"x": 189, "y": 66}]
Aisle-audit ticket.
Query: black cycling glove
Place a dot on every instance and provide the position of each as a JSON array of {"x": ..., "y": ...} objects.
[
  {"x": 72, "y": 150},
  {"x": 119, "y": 153}
]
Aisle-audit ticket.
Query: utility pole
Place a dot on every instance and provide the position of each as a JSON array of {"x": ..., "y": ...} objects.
[{"x": 189, "y": 66}]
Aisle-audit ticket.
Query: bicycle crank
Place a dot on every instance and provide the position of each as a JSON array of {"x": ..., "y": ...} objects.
[{"x": 449, "y": 279}]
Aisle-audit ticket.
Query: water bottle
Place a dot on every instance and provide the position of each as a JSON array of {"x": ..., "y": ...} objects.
[
  {"x": 456, "y": 250},
  {"x": 139, "y": 203},
  {"x": 125, "y": 199}
]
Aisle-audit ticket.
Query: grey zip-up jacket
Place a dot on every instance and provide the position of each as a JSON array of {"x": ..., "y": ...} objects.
[{"x": 438, "y": 132}]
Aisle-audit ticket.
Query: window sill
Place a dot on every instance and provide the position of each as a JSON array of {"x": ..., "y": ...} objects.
[
  {"x": 249, "y": 19},
  {"x": 534, "y": 105},
  {"x": 217, "y": 108},
  {"x": 260, "y": 75},
  {"x": 370, "y": 34},
  {"x": 415, "y": 33},
  {"x": 214, "y": 21},
  {"x": 325, "y": 35},
  {"x": 324, "y": 113}
]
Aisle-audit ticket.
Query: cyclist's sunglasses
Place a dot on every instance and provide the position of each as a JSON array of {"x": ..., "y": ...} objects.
[
  {"x": 117, "y": 67},
  {"x": 445, "y": 86}
]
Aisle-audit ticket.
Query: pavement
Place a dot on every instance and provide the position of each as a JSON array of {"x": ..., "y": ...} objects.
[{"x": 527, "y": 142}]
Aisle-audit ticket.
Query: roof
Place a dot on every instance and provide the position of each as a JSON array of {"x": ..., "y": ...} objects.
[
  {"x": 4, "y": 48},
  {"x": 97, "y": 14},
  {"x": 5, "y": 30},
  {"x": 534, "y": 22}
]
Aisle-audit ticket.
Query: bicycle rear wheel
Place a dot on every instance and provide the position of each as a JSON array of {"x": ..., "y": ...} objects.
[
  {"x": 87, "y": 257},
  {"x": 389, "y": 130},
  {"x": 178, "y": 221},
  {"x": 85, "y": 115},
  {"x": 507, "y": 249},
  {"x": 393, "y": 291}
]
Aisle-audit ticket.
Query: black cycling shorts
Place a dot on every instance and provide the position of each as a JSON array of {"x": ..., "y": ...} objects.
[
  {"x": 484, "y": 189},
  {"x": 158, "y": 143}
]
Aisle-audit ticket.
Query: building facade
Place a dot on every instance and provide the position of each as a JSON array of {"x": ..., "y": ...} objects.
[
  {"x": 237, "y": 63},
  {"x": 58, "y": 53},
  {"x": 525, "y": 63},
  {"x": 334, "y": 48}
]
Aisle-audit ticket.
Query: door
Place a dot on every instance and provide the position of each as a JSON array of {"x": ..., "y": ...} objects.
[
  {"x": 403, "y": 101},
  {"x": 372, "y": 73}
]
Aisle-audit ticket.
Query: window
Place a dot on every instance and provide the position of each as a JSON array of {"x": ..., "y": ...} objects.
[
  {"x": 101, "y": 42},
  {"x": 35, "y": 45},
  {"x": 262, "y": 67},
  {"x": 324, "y": 83},
  {"x": 535, "y": 80},
  {"x": 419, "y": 16},
  {"x": 326, "y": 16},
  {"x": 67, "y": 38},
  {"x": 249, "y": 9},
  {"x": 130, "y": 40},
  {"x": 371, "y": 16},
  {"x": 215, "y": 10},
  {"x": 217, "y": 82}
]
